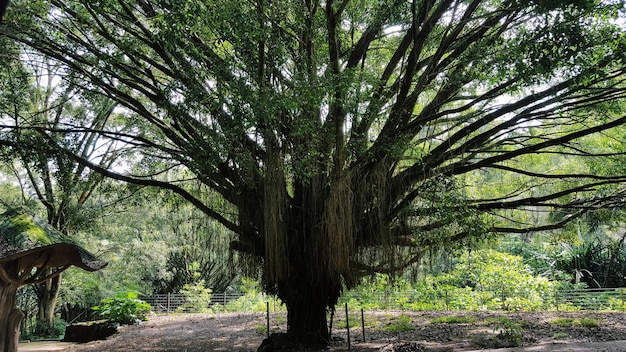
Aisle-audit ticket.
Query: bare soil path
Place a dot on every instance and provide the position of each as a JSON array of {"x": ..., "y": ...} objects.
[{"x": 384, "y": 331}]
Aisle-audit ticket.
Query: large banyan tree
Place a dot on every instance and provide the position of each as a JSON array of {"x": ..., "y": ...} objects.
[{"x": 341, "y": 138}]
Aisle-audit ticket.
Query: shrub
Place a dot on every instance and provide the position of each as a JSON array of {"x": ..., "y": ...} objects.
[
  {"x": 197, "y": 298},
  {"x": 253, "y": 299},
  {"x": 480, "y": 280},
  {"x": 124, "y": 308},
  {"x": 510, "y": 332},
  {"x": 487, "y": 279},
  {"x": 43, "y": 331},
  {"x": 402, "y": 324}
]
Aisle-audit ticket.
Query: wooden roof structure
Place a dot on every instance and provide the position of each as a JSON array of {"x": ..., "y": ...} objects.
[{"x": 32, "y": 251}]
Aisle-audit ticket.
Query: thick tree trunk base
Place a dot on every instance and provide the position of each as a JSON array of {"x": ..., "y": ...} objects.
[
  {"x": 285, "y": 342},
  {"x": 10, "y": 318}
]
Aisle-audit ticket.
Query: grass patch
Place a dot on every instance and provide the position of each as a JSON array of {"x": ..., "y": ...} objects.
[
  {"x": 454, "y": 319},
  {"x": 403, "y": 323},
  {"x": 260, "y": 329},
  {"x": 569, "y": 322},
  {"x": 354, "y": 322},
  {"x": 588, "y": 322},
  {"x": 564, "y": 322},
  {"x": 560, "y": 335}
]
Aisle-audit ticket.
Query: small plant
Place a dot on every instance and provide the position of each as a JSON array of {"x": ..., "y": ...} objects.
[
  {"x": 454, "y": 319},
  {"x": 509, "y": 332},
  {"x": 588, "y": 322},
  {"x": 124, "y": 308},
  {"x": 253, "y": 299},
  {"x": 260, "y": 329},
  {"x": 197, "y": 298},
  {"x": 353, "y": 320},
  {"x": 402, "y": 324},
  {"x": 560, "y": 335}
]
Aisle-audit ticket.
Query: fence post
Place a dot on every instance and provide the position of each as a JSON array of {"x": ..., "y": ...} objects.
[
  {"x": 167, "y": 311},
  {"x": 621, "y": 293},
  {"x": 363, "y": 324},
  {"x": 348, "y": 326},
  {"x": 268, "y": 319}
]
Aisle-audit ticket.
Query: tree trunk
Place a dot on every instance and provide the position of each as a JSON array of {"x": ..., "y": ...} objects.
[
  {"x": 306, "y": 318},
  {"x": 307, "y": 325},
  {"x": 307, "y": 249},
  {"x": 47, "y": 295},
  {"x": 10, "y": 318}
]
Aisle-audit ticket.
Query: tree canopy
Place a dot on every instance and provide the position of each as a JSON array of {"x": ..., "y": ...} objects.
[{"x": 341, "y": 138}]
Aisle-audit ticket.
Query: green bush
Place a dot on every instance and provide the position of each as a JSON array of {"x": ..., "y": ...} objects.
[
  {"x": 197, "y": 298},
  {"x": 43, "y": 331},
  {"x": 124, "y": 308},
  {"x": 482, "y": 279},
  {"x": 495, "y": 281},
  {"x": 509, "y": 332},
  {"x": 403, "y": 323},
  {"x": 253, "y": 299}
]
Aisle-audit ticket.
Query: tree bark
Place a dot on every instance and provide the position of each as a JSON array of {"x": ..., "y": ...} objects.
[
  {"x": 10, "y": 317},
  {"x": 306, "y": 318},
  {"x": 307, "y": 326}
]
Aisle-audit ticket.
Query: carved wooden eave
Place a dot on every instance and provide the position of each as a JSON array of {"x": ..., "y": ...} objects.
[
  {"x": 31, "y": 251},
  {"x": 28, "y": 267}
]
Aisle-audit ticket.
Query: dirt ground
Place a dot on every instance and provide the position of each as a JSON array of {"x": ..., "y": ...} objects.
[{"x": 384, "y": 331}]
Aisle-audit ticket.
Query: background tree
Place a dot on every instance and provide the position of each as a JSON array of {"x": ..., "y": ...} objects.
[
  {"x": 31, "y": 251},
  {"x": 154, "y": 243},
  {"x": 60, "y": 185},
  {"x": 338, "y": 134},
  {"x": 198, "y": 249}
]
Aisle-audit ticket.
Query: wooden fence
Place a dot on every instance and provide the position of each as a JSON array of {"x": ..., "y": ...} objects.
[
  {"x": 612, "y": 299},
  {"x": 177, "y": 302}
]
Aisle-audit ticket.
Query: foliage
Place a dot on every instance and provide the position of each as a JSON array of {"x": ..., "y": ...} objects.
[
  {"x": 481, "y": 279},
  {"x": 44, "y": 331},
  {"x": 497, "y": 281},
  {"x": 338, "y": 140},
  {"x": 200, "y": 254},
  {"x": 197, "y": 298},
  {"x": 598, "y": 262},
  {"x": 454, "y": 319},
  {"x": 253, "y": 299},
  {"x": 509, "y": 331},
  {"x": 124, "y": 308},
  {"x": 568, "y": 322},
  {"x": 402, "y": 323},
  {"x": 139, "y": 241}
]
